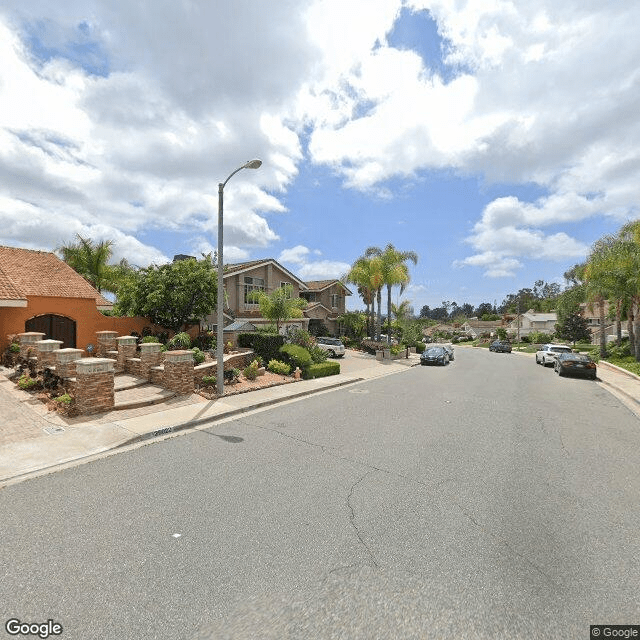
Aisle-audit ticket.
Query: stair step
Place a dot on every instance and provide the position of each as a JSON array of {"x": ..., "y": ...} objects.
[
  {"x": 124, "y": 381},
  {"x": 141, "y": 396}
]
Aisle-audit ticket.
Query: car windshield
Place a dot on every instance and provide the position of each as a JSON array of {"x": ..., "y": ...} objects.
[
  {"x": 560, "y": 349},
  {"x": 434, "y": 351},
  {"x": 333, "y": 341}
]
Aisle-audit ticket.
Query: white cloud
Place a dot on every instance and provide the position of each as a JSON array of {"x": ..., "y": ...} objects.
[
  {"x": 296, "y": 254},
  {"x": 323, "y": 270}
]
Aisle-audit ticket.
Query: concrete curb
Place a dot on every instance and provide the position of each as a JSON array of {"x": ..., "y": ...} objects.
[
  {"x": 233, "y": 412},
  {"x": 619, "y": 369}
]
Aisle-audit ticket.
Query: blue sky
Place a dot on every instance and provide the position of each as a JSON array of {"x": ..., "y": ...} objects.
[{"x": 496, "y": 139}]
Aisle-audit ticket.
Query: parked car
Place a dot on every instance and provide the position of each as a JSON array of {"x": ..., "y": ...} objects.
[
  {"x": 333, "y": 346},
  {"x": 500, "y": 346},
  {"x": 434, "y": 355},
  {"x": 578, "y": 364},
  {"x": 449, "y": 349},
  {"x": 548, "y": 352}
]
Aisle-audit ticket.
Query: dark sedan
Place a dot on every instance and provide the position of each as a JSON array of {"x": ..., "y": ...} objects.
[
  {"x": 435, "y": 355},
  {"x": 576, "y": 364},
  {"x": 500, "y": 346}
]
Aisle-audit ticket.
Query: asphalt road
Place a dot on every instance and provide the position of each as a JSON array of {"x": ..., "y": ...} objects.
[{"x": 485, "y": 499}]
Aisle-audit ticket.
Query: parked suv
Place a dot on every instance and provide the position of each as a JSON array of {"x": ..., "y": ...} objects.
[
  {"x": 332, "y": 346},
  {"x": 548, "y": 352},
  {"x": 500, "y": 346}
]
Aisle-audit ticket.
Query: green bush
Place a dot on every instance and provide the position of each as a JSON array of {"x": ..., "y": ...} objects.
[
  {"x": 329, "y": 368},
  {"x": 265, "y": 345},
  {"x": 276, "y": 366},
  {"x": 14, "y": 347},
  {"x": 179, "y": 341},
  {"x": 150, "y": 339},
  {"x": 26, "y": 383},
  {"x": 317, "y": 354},
  {"x": 65, "y": 398},
  {"x": 302, "y": 338},
  {"x": 371, "y": 346},
  {"x": 618, "y": 352},
  {"x": 420, "y": 347},
  {"x": 397, "y": 349},
  {"x": 251, "y": 372},
  {"x": 296, "y": 356},
  {"x": 209, "y": 381},
  {"x": 198, "y": 356}
]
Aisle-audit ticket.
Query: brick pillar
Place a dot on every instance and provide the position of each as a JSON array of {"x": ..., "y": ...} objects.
[
  {"x": 106, "y": 342},
  {"x": 28, "y": 341},
  {"x": 150, "y": 356},
  {"x": 47, "y": 350},
  {"x": 66, "y": 362},
  {"x": 126, "y": 349},
  {"x": 94, "y": 385},
  {"x": 178, "y": 371}
]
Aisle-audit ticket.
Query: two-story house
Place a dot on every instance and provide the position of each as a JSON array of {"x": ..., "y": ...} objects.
[
  {"x": 532, "y": 322},
  {"x": 326, "y": 303},
  {"x": 243, "y": 278}
]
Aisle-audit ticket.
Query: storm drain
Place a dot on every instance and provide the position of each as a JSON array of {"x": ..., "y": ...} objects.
[{"x": 53, "y": 431}]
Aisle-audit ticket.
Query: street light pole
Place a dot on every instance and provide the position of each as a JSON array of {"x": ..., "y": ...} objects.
[{"x": 251, "y": 164}]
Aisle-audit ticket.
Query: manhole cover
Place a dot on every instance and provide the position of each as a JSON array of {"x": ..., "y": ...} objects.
[
  {"x": 52, "y": 431},
  {"x": 359, "y": 391}
]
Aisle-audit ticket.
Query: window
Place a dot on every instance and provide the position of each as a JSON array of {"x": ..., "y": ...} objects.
[
  {"x": 334, "y": 299},
  {"x": 252, "y": 284},
  {"x": 284, "y": 284},
  {"x": 309, "y": 296}
]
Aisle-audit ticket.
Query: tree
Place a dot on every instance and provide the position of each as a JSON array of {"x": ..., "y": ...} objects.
[
  {"x": 574, "y": 327},
  {"x": 353, "y": 323},
  {"x": 90, "y": 259},
  {"x": 483, "y": 309},
  {"x": 401, "y": 311},
  {"x": 425, "y": 312},
  {"x": 394, "y": 272},
  {"x": 366, "y": 273},
  {"x": 279, "y": 305},
  {"x": 170, "y": 294}
]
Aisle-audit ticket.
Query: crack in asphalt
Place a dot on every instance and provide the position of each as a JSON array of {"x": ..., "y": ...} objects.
[
  {"x": 352, "y": 518},
  {"x": 436, "y": 488}
]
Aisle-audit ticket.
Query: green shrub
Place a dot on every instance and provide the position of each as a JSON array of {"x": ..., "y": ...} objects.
[
  {"x": 179, "y": 341},
  {"x": 65, "y": 398},
  {"x": 371, "y": 346},
  {"x": 251, "y": 372},
  {"x": 150, "y": 339},
  {"x": 198, "y": 356},
  {"x": 209, "y": 381},
  {"x": 397, "y": 349},
  {"x": 618, "y": 352},
  {"x": 26, "y": 383},
  {"x": 317, "y": 354},
  {"x": 279, "y": 367},
  {"x": 329, "y": 368},
  {"x": 14, "y": 347},
  {"x": 265, "y": 345},
  {"x": 420, "y": 347},
  {"x": 296, "y": 356}
]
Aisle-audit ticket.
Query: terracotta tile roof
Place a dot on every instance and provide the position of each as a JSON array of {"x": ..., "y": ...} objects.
[
  {"x": 42, "y": 273},
  {"x": 318, "y": 285},
  {"x": 8, "y": 291},
  {"x": 238, "y": 266}
]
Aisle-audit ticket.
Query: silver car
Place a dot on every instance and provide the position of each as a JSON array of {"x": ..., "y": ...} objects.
[{"x": 332, "y": 346}]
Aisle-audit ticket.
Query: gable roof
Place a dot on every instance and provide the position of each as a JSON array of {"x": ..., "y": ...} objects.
[
  {"x": 540, "y": 317},
  {"x": 241, "y": 267},
  {"x": 320, "y": 285},
  {"x": 26, "y": 272}
]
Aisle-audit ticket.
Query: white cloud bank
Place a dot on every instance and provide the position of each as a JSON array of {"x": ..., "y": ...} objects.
[{"x": 539, "y": 91}]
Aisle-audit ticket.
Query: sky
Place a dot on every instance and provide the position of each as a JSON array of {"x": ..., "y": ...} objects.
[{"x": 497, "y": 139}]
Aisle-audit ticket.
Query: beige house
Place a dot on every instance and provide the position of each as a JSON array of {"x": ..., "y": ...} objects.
[
  {"x": 326, "y": 303},
  {"x": 476, "y": 328},
  {"x": 326, "y": 297},
  {"x": 533, "y": 322}
]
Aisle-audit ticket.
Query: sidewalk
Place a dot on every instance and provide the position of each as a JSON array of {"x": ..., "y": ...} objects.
[{"x": 34, "y": 441}]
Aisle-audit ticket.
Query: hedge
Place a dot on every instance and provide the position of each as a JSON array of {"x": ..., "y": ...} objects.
[
  {"x": 265, "y": 345},
  {"x": 296, "y": 355},
  {"x": 329, "y": 368}
]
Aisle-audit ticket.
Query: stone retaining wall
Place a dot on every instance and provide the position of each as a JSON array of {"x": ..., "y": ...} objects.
[{"x": 94, "y": 391}]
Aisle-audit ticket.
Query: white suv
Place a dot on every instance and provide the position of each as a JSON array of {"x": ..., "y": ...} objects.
[
  {"x": 548, "y": 352},
  {"x": 332, "y": 346}
]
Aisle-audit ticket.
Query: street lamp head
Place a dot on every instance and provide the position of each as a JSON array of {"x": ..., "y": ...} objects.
[{"x": 252, "y": 164}]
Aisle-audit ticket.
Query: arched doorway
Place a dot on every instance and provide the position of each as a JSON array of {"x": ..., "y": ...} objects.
[{"x": 55, "y": 328}]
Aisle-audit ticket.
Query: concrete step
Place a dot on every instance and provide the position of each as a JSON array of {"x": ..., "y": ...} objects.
[
  {"x": 123, "y": 381},
  {"x": 141, "y": 396}
]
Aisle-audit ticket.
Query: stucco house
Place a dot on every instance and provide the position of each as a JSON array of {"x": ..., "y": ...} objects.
[
  {"x": 532, "y": 322},
  {"x": 327, "y": 300},
  {"x": 241, "y": 279},
  {"x": 40, "y": 292},
  {"x": 476, "y": 328}
]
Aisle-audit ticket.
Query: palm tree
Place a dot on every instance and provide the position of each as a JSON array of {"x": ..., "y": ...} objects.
[
  {"x": 401, "y": 311},
  {"x": 279, "y": 305},
  {"x": 630, "y": 259},
  {"x": 366, "y": 273},
  {"x": 395, "y": 272},
  {"x": 90, "y": 260}
]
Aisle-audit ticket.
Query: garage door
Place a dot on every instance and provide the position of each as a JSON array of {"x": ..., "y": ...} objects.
[{"x": 55, "y": 328}]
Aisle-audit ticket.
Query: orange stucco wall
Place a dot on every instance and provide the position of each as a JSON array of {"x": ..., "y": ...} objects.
[{"x": 82, "y": 310}]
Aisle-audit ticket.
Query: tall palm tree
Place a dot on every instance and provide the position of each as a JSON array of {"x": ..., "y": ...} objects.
[
  {"x": 630, "y": 258},
  {"x": 395, "y": 272},
  {"x": 366, "y": 273},
  {"x": 401, "y": 311},
  {"x": 90, "y": 260}
]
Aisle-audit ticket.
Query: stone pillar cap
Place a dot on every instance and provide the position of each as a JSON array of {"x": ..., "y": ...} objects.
[
  {"x": 106, "y": 331},
  {"x": 94, "y": 365},
  {"x": 31, "y": 333}
]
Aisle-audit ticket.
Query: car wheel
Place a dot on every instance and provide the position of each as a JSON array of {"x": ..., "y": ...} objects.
[{"x": 561, "y": 373}]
